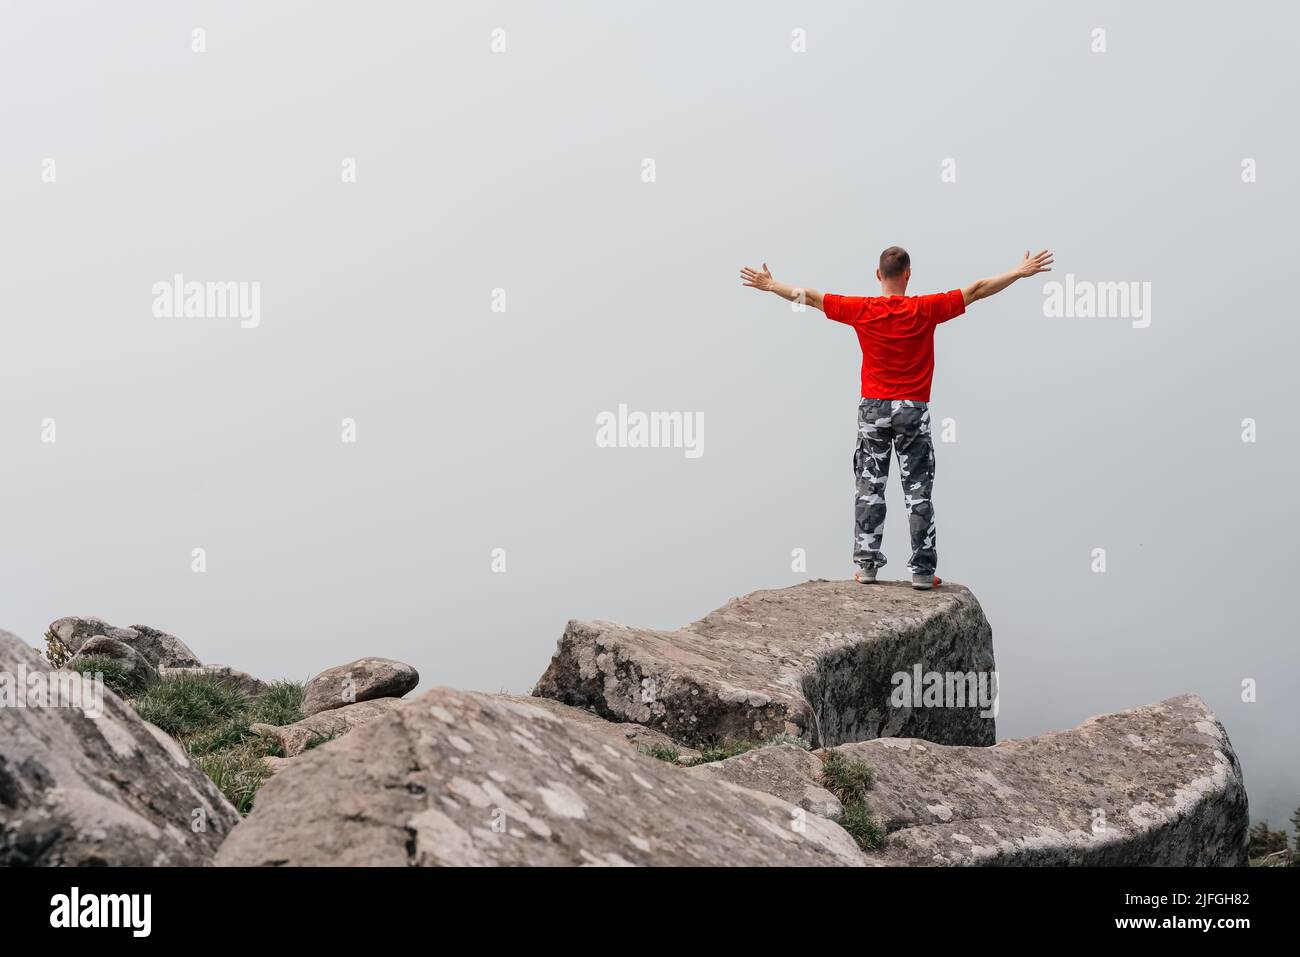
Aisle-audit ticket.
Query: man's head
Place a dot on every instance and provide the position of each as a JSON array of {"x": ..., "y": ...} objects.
[{"x": 895, "y": 270}]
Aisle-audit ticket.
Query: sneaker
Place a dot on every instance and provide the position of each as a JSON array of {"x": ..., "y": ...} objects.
[
  {"x": 926, "y": 582},
  {"x": 865, "y": 576}
]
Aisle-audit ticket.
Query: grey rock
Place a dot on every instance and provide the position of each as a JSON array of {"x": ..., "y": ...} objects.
[
  {"x": 84, "y": 786},
  {"x": 625, "y": 734},
  {"x": 360, "y": 680},
  {"x": 816, "y": 660},
  {"x": 295, "y": 739},
  {"x": 239, "y": 680},
  {"x": 315, "y": 730},
  {"x": 132, "y": 662},
  {"x": 785, "y": 771},
  {"x": 275, "y": 763},
  {"x": 460, "y": 778},
  {"x": 1152, "y": 786},
  {"x": 156, "y": 647}
]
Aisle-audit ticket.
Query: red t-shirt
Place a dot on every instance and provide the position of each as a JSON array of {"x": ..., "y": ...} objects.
[{"x": 897, "y": 338}]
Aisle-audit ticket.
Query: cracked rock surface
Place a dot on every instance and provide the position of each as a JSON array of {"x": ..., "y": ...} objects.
[
  {"x": 463, "y": 778},
  {"x": 816, "y": 660}
]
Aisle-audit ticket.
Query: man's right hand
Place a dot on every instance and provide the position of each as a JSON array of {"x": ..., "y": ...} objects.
[{"x": 757, "y": 280}]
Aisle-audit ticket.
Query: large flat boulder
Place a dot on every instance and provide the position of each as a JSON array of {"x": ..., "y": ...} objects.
[
  {"x": 818, "y": 660},
  {"x": 94, "y": 785},
  {"x": 462, "y": 778},
  {"x": 158, "y": 648},
  {"x": 311, "y": 732},
  {"x": 1152, "y": 786}
]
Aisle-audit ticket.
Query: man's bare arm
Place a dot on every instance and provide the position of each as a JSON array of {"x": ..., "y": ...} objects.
[
  {"x": 763, "y": 280},
  {"x": 1029, "y": 266}
]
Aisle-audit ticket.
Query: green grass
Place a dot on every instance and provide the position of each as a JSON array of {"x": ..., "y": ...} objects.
[
  {"x": 279, "y": 705},
  {"x": 211, "y": 719},
  {"x": 117, "y": 678},
  {"x": 317, "y": 738},
  {"x": 713, "y": 752},
  {"x": 237, "y": 772},
  {"x": 188, "y": 705},
  {"x": 722, "y": 750},
  {"x": 662, "y": 752},
  {"x": 850, "y": 781},
  {"x": 225, "y": 736},
  {"x": 862, "y": 827}
]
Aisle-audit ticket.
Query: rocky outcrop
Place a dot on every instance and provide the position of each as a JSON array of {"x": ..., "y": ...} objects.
[
  {"x": 133, "y": 664},
  {"x": 241, "y": 681},
  {"x": 460, "y": 778},
  {"x": 818, "y": 660},
  {"x": 94, "y": 785},
  {"x": 894, "y": 680},
  {"x": 158, "y": 648},
  {"x": 1158, "y": 785},
  {"x": 360, "y": 680},
  {"x": 315, "y": 730}
]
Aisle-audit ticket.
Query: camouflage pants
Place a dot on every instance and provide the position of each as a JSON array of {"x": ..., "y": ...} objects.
[{"x": 904, "y": 427}]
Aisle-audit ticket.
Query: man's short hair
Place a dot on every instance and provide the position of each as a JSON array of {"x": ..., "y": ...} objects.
[{"x": 894, "y": 261}]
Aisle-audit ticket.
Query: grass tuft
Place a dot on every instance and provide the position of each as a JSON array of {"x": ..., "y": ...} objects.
[
  {"x": 317, "y": 738},
  {"x": 279, "y": 705},
  {"x": 662, "y": 752},
  {"x": 722, "y": 750},
  {"x": 850, "y": 781},
  {"x": 185, "y": 705},
  {"x": 211, "y": 719},
  {"x": 117, "y": 677},
  {"x": 237, "y": 772},
  {"x": 862, "y": 827}
]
